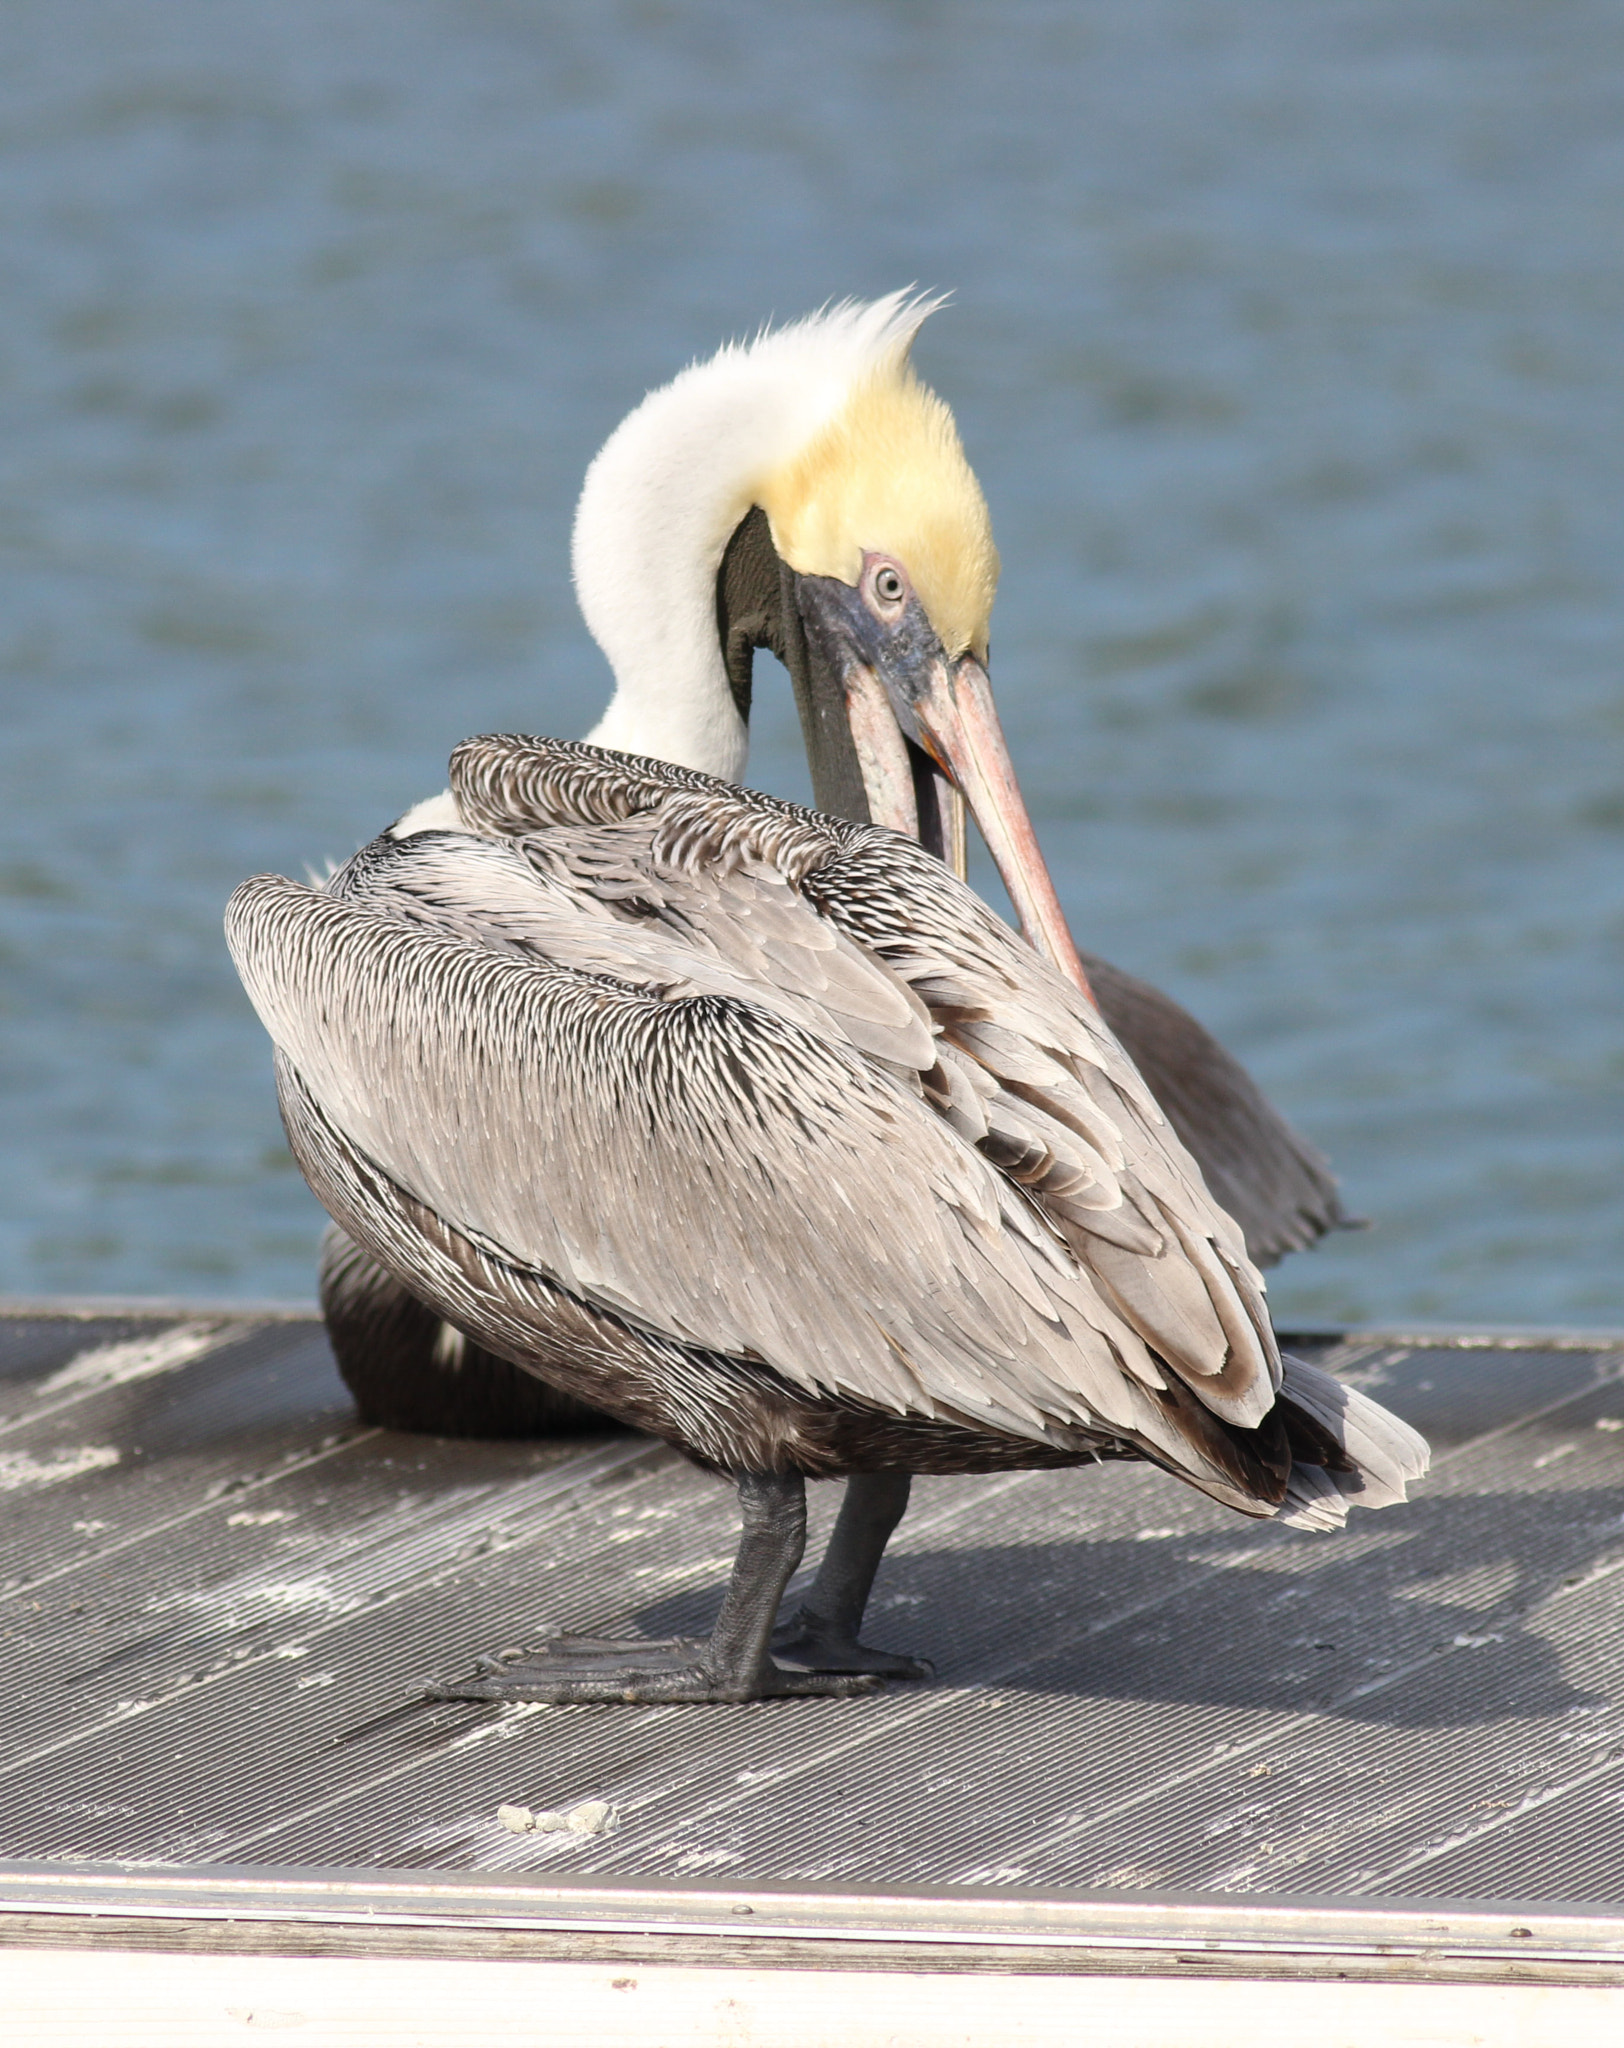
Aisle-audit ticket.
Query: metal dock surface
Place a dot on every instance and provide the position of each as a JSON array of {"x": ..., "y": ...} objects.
[{"x": 1154, "y": 1722}]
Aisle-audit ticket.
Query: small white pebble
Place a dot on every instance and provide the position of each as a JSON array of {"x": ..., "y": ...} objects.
[{"x": 591, "y": 1817}]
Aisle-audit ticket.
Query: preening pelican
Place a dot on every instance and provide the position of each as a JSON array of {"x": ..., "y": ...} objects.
[
  {"x": 681, "y": 582},
  {"x": 752, "y": 1126}
]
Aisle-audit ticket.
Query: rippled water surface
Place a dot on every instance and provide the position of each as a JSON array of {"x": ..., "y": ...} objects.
[{"x": 1287, "y": 343}]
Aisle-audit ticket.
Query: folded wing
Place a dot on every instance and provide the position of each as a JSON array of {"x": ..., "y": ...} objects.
[{"x": 773, "y": 1086}]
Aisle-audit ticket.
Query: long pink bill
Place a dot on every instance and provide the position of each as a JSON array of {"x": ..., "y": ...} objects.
[{"x": 959, "y": 725}]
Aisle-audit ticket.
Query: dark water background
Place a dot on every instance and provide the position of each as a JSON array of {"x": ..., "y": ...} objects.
[{"x": 1289, "y": 345}]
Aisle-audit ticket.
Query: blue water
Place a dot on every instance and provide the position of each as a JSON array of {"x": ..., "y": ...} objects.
[{"x": 1289, "y": 345}]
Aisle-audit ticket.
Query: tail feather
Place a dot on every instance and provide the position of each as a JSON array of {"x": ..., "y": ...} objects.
[{"x": 1379, "y": 1454}]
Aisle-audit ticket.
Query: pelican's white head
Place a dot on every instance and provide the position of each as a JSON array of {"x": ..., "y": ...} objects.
[
  {"x": 823, "y": 425},
  {"x": 874, "y": 578},
  {"x": 806, "y": 492}
]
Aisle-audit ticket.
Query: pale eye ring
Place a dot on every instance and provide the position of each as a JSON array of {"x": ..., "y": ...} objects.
[{"x": 889, "y": 587}]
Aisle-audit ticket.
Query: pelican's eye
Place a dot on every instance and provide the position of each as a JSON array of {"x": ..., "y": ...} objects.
[{"x": 885, "y": 587}]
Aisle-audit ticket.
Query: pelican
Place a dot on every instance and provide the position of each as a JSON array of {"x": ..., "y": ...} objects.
[
  {"x": 681, "y": 583},
  {"x": 752, "y": 1126}
]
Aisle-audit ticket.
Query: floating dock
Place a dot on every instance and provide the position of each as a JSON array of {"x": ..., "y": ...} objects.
[{"x": 1172, "y": 1761}]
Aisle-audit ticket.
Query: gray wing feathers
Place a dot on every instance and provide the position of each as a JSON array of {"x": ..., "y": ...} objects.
[
  {"x": 771, "y": 1084},
  {"x": 563, "y": 1120},
  {"x": 1069, "y": 1118},
  {"x": 1275, "y": 1185},
  {"x": 1385, "y": 1453},
  {"x": 591, "y": 899}
]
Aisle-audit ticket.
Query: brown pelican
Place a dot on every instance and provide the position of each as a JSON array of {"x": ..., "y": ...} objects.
[
  {"x": 752, "y": 1126},
  {"x": 681, "y": 583}
]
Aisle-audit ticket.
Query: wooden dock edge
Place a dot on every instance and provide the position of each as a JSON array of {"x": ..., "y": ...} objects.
[
  {"x": 271, "y": 1912},
  {"x": 111, "y": 1957}
]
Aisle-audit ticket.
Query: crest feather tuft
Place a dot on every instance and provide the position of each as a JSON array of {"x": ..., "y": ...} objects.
[{"x": 887, "y": 473}]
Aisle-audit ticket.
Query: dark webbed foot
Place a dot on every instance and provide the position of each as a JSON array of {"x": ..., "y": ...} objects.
[
  {"x": 578, "y": 1670},
  {"x": 733, "y": 1663},
  {"x": 809, "y": 1643}
]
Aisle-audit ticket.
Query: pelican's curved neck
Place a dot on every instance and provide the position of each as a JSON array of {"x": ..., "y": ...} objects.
[{"x": 659, "y": 506}]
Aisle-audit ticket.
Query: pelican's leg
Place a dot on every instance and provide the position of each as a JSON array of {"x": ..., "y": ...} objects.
[
  {"x": 822, "y": 1636},
  {"x": 734, "y": 1663}
]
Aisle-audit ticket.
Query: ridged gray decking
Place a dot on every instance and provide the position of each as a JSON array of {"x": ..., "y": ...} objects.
[{"x": 221, "y": 1596}]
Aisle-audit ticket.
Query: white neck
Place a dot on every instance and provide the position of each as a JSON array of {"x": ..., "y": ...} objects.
[{"x": 662, "y": 500}]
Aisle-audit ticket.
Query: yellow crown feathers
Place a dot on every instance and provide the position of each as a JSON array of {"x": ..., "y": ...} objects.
[{"x": 888, "y": 475}]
